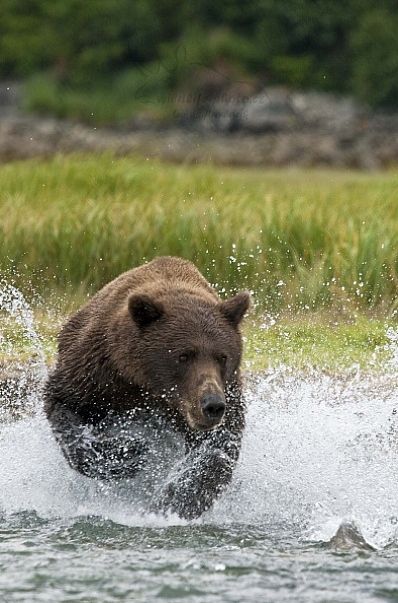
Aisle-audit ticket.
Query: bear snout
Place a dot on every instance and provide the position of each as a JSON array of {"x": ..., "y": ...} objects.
[{"x": 213, "y": 408}]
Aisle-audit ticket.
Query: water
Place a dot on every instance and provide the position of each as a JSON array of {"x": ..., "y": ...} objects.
[{"x": 319, "y": 450}]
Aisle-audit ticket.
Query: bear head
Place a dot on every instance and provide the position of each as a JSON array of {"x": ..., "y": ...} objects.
[{"x": 187, "y": 350}]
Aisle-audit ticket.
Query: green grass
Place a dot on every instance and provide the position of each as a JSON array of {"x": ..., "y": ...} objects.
[
  {"x": 365, "y": 344},
  {"x": 318, "y": 250},
  {"x": 299, "y": 240}
]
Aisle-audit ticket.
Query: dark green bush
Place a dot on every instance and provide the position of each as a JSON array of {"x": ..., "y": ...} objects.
[
  {"x": 375, "y": 58},
  {"x": 91, "y": 47}
]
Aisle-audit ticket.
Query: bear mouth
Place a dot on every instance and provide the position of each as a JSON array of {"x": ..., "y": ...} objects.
[{"x": 204, "y": 424}]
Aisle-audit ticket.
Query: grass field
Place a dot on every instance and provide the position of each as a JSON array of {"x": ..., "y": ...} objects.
[{"x": 307, "y": 244}]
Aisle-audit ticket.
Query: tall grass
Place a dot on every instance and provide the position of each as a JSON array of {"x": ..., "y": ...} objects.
[{"x": 299, "y": 240}]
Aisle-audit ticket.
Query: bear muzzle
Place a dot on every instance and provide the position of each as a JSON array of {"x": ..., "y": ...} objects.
[
  {"x": 213, "y": 409},
  {"x": 204, "y": 404}
]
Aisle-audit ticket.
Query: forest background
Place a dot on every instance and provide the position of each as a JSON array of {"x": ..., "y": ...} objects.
[{"x": 149, "y": 53}]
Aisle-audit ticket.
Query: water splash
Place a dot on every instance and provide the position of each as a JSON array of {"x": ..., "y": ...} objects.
[
  {"x": 319, "y": 449},
  {"x": 19, "y": 381}
]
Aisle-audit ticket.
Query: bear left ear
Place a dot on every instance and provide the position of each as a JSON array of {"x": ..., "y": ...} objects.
[
  {"x": 144, "y": 310},
  {"x": 234, "y": 309}
]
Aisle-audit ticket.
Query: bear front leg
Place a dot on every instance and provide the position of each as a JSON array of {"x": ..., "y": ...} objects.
[
  {"x": 196, "y": 483},
  {"x": 88, "y": 450}
]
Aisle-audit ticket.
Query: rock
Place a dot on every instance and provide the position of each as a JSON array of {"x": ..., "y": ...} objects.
[
  {"x": 276, "y": 110},
  {"x": 10, "y": 97},
  {"x": 277, "y": 127},
  {"x": 326, "y": 111},
  {"x": 270, "y": 111},
  {"x": 349, "y": 538}
]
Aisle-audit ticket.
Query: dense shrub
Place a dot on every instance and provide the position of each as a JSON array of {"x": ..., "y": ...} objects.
[
  {"x": 375, "y": 58},
  {"x": 346, "y": 46}
]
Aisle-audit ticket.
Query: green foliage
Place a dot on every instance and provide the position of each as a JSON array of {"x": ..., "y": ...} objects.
[
  {"x": 79, "y": 42},
  {"x": 297, "y": 71},
  {"x": 87, "y": 46},
  {"x": 132, "y": 91},
  {"x": 300, "y": 241},
  {"x": 375, "y": 58}
]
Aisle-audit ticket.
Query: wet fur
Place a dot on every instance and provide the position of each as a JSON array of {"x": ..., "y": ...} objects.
[{"x": 154, "y": 342}]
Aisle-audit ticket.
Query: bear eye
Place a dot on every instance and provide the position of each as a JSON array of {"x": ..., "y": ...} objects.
[
  {"x": 186, "y": 357},
  {"x": 223, "y": 360}
]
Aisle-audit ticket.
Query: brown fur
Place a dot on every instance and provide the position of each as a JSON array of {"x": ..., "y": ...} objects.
[{"x": 156, "y": 341}]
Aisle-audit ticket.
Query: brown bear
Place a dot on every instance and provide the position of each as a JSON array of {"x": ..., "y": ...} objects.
[{"x": 155, "y": 343}]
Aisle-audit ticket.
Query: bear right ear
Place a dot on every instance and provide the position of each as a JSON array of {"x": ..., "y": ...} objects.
[
  {"x": 144, "y": 310},
  {"x": 235, "y": 308}
]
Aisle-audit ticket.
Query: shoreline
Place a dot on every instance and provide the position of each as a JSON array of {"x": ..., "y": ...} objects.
[{"x": 278, "y": 128}]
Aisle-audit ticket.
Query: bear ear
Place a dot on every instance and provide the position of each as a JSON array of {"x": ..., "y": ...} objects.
[
  {"x": 144, "y": 310},
  {"x": 234, "y": 309}
]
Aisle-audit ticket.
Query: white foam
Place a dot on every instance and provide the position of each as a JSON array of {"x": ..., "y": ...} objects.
[{"x": 320, "y": 449}]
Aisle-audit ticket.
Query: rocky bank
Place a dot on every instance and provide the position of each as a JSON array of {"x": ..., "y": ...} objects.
[{"x": 275, "y": 128}]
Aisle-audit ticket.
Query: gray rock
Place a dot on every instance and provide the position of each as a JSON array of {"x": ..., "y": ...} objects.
[
  {"x": 275, "y": 128},
  {"x": 349, "y": 538},
  {"x": 270, "y": 111},
  {"x": 10, "y": 97}
]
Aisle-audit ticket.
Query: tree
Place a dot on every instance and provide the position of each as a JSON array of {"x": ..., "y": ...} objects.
[{"x": 374, "y": 46}]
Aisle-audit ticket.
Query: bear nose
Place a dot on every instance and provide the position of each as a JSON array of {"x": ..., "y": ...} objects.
[{"x": 213, "y": 407}]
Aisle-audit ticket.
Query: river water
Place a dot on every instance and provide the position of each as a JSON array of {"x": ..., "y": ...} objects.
[{"x": 319, "y": 449}]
